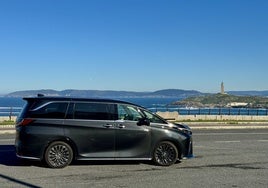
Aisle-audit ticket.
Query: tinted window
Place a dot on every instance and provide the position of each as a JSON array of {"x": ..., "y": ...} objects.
[
  {"x": 24, "y": 111},
  {"x": 127, "y": 112},
  {"x": 93, "y": 111},
  {"x": 54, "y": 110}
]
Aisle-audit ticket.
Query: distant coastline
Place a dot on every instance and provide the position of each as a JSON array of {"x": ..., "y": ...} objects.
[
  {"x": 165, "y": 93},
  {"x": 224, "y": 101}
]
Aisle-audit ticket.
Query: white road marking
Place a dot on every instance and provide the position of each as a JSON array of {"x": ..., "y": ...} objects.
[
  {"x": 217, "y": 134},
  {"x": 228, "y": 141}
]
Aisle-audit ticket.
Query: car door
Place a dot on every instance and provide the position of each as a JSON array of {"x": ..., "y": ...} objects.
[
  {"x": 92, "y": 129},
  {"x": 131, "y": 140}
]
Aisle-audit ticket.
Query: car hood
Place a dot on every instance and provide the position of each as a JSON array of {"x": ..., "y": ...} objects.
[{"x": 182, "y": 126}]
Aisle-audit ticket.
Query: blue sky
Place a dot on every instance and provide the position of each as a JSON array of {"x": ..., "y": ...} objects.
[{"x": 134, "y": 45}]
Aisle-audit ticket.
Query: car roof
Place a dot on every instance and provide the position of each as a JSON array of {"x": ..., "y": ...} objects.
[{"x": 53, "y": 98}]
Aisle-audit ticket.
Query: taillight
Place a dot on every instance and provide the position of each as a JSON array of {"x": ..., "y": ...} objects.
[{"x": 24, "y": 122}]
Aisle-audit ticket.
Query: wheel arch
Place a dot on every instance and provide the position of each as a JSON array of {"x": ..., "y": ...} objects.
[
  {"x": 173, "y": 141},
  {"x": 62, "y": 139}
]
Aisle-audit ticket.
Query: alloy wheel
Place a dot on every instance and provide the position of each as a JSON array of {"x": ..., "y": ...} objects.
[
  {"x": 165, "y": 154},
  {"x": 58, "y": 155}
]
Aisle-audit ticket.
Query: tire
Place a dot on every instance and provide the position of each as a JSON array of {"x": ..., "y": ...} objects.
[
  {"x": 165, "y": 154},
  {"x": 58, "y": 155}
]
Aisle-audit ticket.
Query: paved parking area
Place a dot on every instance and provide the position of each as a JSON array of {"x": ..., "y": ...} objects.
[{"x": 224, "y": 158}]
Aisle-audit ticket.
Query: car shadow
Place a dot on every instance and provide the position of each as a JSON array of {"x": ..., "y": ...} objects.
[
  {"x": 109, "y": 162},
  {"x": 116, "y": 162},
  {"x": 8, "y": 157}
]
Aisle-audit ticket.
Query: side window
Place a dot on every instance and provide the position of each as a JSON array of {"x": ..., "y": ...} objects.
[
  {"x": 54, "y": 110},
  {"x": 127, "y": 112},
  {"x": 153, "y": 118},
  {"x": 93, "y": 111}
]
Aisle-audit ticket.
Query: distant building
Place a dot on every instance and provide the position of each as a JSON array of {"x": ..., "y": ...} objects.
[
  {"x": 222, "y": 88},
  {"x": 237, "y": 104}
]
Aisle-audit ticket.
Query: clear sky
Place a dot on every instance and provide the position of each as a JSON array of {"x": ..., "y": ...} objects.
[{"x": 133, "y": 45}]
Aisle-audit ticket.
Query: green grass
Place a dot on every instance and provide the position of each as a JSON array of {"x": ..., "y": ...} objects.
[{"x": 7, "y": 122}]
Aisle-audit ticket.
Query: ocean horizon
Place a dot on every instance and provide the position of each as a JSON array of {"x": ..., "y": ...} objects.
[{"x": 10, "y": 106}]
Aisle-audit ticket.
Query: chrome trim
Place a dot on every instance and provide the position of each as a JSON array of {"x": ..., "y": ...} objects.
[
  {"x": 47, "y": 103},
  {"x": 63, "y": 119},
  {"x": 25, "y": 157},
  {"x": 85, "y": 120},
  {"x": 116, "y": 159}
]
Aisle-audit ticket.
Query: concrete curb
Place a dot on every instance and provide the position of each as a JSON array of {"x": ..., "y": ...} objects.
[
  {"x": 225, "y": 123},
  {"x": 227, "y": 127},
  {"x": 7, "y": 126},
  {"x": 7, "y": 131}
]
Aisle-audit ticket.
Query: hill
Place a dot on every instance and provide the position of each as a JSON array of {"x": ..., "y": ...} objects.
[
  {"x": 249, "y": 93},
  {"x": 224, "y": 100},
  {"x": 176, "y": 93}
]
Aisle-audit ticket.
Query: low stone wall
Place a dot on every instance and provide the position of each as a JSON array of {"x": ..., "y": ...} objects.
[
  {"x": 176, "y": 117},
  {"x": 169, "y": 115},
  {"x": 7, "y": 118}
]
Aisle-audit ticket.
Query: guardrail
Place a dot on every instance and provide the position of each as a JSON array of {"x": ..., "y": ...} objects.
[
  {"x": 213, "y": 111},
  {"x": 10, "y": 111},
  {"x": 14, "y": 111}
]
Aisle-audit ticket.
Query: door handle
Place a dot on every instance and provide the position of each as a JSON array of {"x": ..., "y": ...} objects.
[
  {"x": 108, "y": 125},
  {"x": 121, "y": 126}
]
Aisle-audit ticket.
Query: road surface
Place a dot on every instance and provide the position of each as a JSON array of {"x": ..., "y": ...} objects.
[{"x": 223, "y": 158}]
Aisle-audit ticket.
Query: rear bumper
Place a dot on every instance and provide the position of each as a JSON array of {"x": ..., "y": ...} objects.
[
  {"x": 26, "y": 148},
  {"x": 22, "y": 152}
]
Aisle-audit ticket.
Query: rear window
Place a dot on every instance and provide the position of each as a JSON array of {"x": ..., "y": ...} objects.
[
  {"x": 54, "y": 110},
  {"x": 24, "y": 110}
]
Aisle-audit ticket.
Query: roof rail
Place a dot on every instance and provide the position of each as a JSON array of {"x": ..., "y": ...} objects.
[{"x": 40, "y": 95}]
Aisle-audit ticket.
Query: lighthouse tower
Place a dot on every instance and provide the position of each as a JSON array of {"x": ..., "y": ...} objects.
[{"x": 222, "y": 88}]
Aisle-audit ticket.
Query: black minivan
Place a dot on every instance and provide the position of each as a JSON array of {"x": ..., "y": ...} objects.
[{"x": 57, "y": 130}]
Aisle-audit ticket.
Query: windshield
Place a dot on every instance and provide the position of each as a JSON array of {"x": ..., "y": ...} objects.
[
  {"x": 153, "y": 118},
  {"x": 128, "y": 112}
]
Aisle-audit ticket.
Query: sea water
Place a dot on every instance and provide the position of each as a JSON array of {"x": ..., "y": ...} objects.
[{"x": 10, "y": 106}]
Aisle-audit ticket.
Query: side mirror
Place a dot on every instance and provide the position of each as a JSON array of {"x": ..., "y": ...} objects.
[{"x": 143, "y": 121}]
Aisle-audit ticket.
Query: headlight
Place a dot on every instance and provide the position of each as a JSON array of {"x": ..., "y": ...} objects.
[{"x": 186, "y": 131}]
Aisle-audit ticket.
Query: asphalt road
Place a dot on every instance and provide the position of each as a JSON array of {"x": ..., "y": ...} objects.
[{"x": 224, "y": 158}]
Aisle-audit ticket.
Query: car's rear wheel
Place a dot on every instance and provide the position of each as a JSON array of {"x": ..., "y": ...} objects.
[
  {"x": 165, "y": 154},
  {"x": 58, "y": 155}
]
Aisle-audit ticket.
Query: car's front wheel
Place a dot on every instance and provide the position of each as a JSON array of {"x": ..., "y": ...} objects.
[
  {"x": 58, "y": 155},
  {"x": 165, "y": 154}
]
